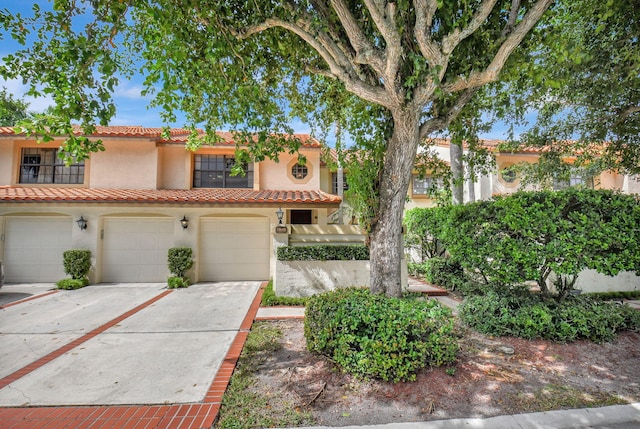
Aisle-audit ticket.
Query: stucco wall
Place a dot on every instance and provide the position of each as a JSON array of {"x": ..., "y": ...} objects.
[
  {"x": 125, "y": 165},
  {"x": 174, "y": 168},
  {"x": 590, "y": 281},
  {"x": 6, "y": 161},
  {"x": 278, "y": 175},
  {"x": 307, "y": 278}
]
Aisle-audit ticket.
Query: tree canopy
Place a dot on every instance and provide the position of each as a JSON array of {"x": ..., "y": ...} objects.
[
  {"x": 583, "y": 80},
  {"x": 12, "y": 110},
  {"x": 388, "y": 73}
]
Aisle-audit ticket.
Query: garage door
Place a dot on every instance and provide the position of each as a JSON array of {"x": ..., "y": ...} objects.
[
  {"x": 34, "y": 248},
  {"x": 234, "y": 249},
  {"x": 135, "y": 249}
]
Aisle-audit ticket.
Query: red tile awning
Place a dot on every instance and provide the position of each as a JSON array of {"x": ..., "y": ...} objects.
[{"x": 16, "y": 194}]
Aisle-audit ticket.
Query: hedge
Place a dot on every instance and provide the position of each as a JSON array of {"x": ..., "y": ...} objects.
[{"x": 323, "y": 253}]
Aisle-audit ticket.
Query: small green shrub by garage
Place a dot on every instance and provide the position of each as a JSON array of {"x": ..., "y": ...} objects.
[
  {"x": 356, "y": 252},
  {"x": 374, "y": 336},
  {"x": 528, "y": 316},
  {"x": 179, "y": 260},
  {"x": 77, "y": 264},
  {"x": 71, "y": 284}
]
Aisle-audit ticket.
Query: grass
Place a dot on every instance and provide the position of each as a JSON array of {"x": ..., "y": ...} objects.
[
  {"x": 270, "y": 299},
  {"x": 243, "y": 407},
  {"x": 556, "y": 397}
]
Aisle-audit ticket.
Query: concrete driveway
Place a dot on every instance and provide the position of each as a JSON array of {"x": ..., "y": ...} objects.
[{"x": 117, "y": 343}]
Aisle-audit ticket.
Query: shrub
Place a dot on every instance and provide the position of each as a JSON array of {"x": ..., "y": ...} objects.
[
  {"x": 527, "y": 316},
  {"x": 180, "y": 261},
  {"x": 422, "y": 226},
  {"x": 177, "y": 282},
  {"x": 71, "y": 284},
  {"x": 444, "y": 272},
  {"x": 323, "y": 253},
  {"x": 379, "y": 337},
  {"x": 77, "y": 263}
]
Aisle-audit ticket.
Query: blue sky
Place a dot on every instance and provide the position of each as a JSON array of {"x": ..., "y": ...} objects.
[{"x": 132, "y": 107}]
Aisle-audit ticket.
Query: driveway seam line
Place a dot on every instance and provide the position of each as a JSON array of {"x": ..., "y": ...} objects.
[{"x": 16, "y": 375}]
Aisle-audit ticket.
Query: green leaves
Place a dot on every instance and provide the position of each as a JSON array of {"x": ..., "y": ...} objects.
[
  {"x": 376, "y": 336},
  {"x": 525, "y": 236},
  {"x": 323, "y": 253},
  {"x": 528, "y": 316}
]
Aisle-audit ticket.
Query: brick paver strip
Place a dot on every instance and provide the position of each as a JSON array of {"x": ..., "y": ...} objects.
[
  {"x": 4, "y": 382},
  {"x": 189, "y": 416},
  {"x": 20, "y": 301}
]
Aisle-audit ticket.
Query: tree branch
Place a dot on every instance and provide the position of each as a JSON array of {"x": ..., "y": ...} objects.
[
  {"x": 513, "y": 15},
  {"x": 365, "y": 51},
  {"x": 443, "y": 121},
  {"x": 339, "y": 64},
  {"x": 385, "y": 21},
  {"x": 450, "y": 41},
  {"x": 490, "y": 74},
  {"x": 425, "y": 9}
]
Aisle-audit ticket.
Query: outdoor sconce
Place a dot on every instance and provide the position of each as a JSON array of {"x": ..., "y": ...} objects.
[
  {"x": 280, "y": 214},
  {"x": 280, "y": 228},
  {"x": 82, "y": 223},
  {"x": 184, "y": 222}
]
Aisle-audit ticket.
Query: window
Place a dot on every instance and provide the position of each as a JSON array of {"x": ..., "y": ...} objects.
[
  {"x": 509, "y": 175},
  {"x": 422, "y": 186},
  {"x": 334, "y": 183},
  {"x": 43, "y": 166},
  {"x": 214, "y": 171},
  {"x": 299, "y": 171},
  {"x": 574, "y": 180}
]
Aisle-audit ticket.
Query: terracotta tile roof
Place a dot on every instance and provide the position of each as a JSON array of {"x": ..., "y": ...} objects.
[
  {"x": 15, "y": 194},
  {"x": 178, "y": 135}
]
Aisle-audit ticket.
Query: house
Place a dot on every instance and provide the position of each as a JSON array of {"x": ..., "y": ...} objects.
[
  {"x": 145, "y": 194},
  {"x": 503, "y": 180}
]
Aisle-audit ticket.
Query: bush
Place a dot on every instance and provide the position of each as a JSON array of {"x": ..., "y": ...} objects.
[
  {"x": 77, "y": 263},
  {"x": 72, "y": 284},
  {"x": 323, "y": 253},
  {"x": 177, "y": 282},
  {"x": 379, "y": 337},
  {"x": 527, "y": 316},
  {"x": 180, "y": 261},
  {"x": 528, "y": 235},
  {"x": 444, "y": 272}
]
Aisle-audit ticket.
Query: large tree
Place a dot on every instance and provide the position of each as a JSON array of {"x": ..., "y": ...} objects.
[{"x": 390, "y": 73}]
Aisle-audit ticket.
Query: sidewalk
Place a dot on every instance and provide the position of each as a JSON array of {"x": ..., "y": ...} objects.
[{"x": 613, "y": 417}]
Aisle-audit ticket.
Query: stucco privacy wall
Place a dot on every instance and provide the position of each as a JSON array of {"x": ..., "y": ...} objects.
[
  {"x": 306, "y": 278},
  {"x": 590, "y": 281}
]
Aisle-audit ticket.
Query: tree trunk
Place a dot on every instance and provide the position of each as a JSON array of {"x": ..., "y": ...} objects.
[
  {"x": 457, "y": 172},
  {"x": 386, "y": 246}
]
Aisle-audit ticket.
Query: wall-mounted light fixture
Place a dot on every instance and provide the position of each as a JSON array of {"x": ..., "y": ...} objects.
[
  {"x": 82, "y": 223},
  {"x": 280, "y": 215},
  {"x": 184, "y": 222},
  {"x": 280, "y": 228}
]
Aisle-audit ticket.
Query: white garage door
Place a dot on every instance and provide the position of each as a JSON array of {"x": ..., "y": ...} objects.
[
  {"x": 234, "y": 249},
  {"x": 34, "y": 247},
  {"x": 134, "y": 250}
]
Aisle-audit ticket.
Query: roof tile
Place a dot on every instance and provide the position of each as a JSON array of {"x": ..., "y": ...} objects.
[
  {"x": 163, "y": 196},
  {"x": 177, "y": 135}
]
